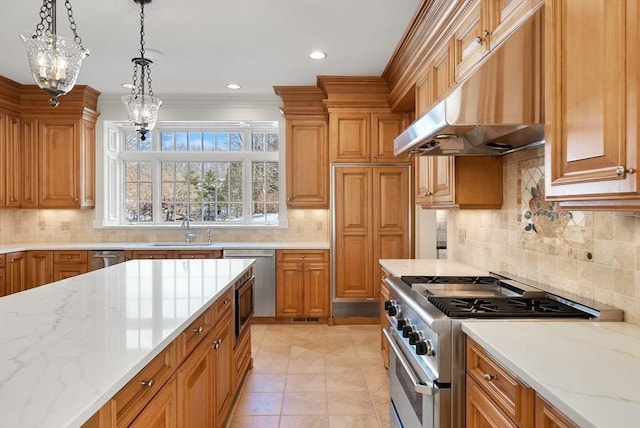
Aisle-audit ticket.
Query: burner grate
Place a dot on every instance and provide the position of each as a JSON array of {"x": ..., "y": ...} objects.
[
  {"x": 504, "y": 307},
  {"x": 426, "y": 279}
]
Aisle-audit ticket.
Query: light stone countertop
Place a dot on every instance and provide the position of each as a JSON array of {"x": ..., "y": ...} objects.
[
  {"x": 588, "y": 370},
  {"x": 440, "y": 267},
  {"x": 9, "y": 248},
  {"x": 67, "y": 347}
]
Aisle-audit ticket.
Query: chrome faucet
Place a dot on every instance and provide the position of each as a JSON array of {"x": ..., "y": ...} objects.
[{"x": 188, "y": 235}]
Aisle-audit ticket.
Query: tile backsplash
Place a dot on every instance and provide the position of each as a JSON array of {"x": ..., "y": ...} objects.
[
  {"x": 68, "y": 226},
  {"x": 595, "y": 255}
]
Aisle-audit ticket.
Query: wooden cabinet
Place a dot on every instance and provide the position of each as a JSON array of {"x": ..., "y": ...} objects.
[
  {"x": 11, "y": 164},
  {"x": 592, "y": 103},
  {"x": 482, "y": 411},
  {"x": 68, "y": 263},
  {"x": 371, "y": 223},
  {"x": 459, "y": 182},
  {"x": 223, "y": 364},
  {"x": 361, "y": 136},
  {"x": 194, "y": 383},
  {"x": 481, "y": 28},
  {"x": 384, "y": 321},
  {"x": 161, "y": 410},
  {"x": 307, "y": 163},
  {"x": 197, "y": 254},
  {"x": 442, "y": 71},
  {"x": 548, "y": 416},
  {"x": 147, "y": 254},
  {"x": 302, "y": 283},
  {"x": 242, "y": 357},
  {"x": 3, "y": 276},
  {"x": 172, "y": 254},
  {"x": 16, "y": 272},
  {"x": 39, "y": 268}
]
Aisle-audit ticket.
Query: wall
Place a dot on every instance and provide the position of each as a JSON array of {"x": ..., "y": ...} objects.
[{"x": 595, "y": 255}]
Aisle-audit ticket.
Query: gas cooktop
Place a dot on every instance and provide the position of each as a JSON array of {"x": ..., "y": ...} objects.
[
  {"x": 505, "y": 307},
  {"x": 439, "y": 279}
]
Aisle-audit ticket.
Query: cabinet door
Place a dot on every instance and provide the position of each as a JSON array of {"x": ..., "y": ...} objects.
[
  {"x": 29, "y": 163},
  {"x": 161, "y": 410},
  {"x": 195, "y": 388},
  {"x": 471, "y": 42},
  {"x": 390, "y": 218},
  {"x": 59, "y": 163},
  {"x": 424, "y": 93},
  {"x": 68, "y": 270},
  {"x": 16, "y": 271},
  {"x": 316, "y": 289},
  {"x": 289, "y": 290},
  {"x": 307, "y": 164},
  {"x": 442, "y": 179},
  {"x": 193, "y": 254},
  {"x": 223, "y": 368},
  {"x": 547, "y": 416},
  {"x": 591, "y": 132},
  {"x": 442, "y": 71},
  {"x": 385, "y": 128},
  {"x": 350, "y": 137},
  {"x": 3, "y": 282},
  {"x": 39, "y": 268},
  {"x": 14, "y": 163},
  {"x": 505, "y": 15},
  {"x": 481, "y": 411},
  {"x": 354, "y": 232},
  {"x": 148, "y": 254}
]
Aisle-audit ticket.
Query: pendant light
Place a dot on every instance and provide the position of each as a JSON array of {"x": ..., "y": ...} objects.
[
  {"x": 142, "y": 106},
  {"x": 54, "y": 60}
]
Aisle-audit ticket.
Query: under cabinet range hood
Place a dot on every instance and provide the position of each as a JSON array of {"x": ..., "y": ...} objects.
[{"x": 498, "y": 109}]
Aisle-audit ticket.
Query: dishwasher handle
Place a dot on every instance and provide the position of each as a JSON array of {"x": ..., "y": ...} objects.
[{"x": 248, "y": 253}]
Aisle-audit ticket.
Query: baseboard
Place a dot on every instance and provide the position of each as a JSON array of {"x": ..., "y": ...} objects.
[{"x": 354, "y": 320}]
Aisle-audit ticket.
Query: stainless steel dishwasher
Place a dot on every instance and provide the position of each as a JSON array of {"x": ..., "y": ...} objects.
[
  {"x": 264, "y": 271},
  {"x": 105, "y": 258}
]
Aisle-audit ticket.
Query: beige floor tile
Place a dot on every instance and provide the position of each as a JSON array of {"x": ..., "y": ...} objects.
[
  {"x": 306, "y": 365},
  {"x": 335, "y": 364},
  {"x": 254, "y": 422},
  {"x": 272, "y": 352},
  {"x": 343, "y": 382},
  {"x": 354, "y": 421},
  {"x": 270, "y": 365},
  {"x": 348, "y": 403},
  {"x": 259, "y": 403},
  {"x": 306, "y": 421},
  {"x": 304, "y": 403},
  {"x": 265, "y": 382},
  {"x": 306, "y": 382},
  {"x": 377, "y": 381}
]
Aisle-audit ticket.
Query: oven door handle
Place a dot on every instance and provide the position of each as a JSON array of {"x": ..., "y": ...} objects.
[{"x": 420, "y": 387}]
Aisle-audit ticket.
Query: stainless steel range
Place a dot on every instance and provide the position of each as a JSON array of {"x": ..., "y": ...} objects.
[{"x": 427, "y": 344}]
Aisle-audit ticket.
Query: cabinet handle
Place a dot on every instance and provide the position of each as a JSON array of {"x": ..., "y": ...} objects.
[
  {"x": 198, "y": 330},
  {"x": 479, "y": 40},
  {"x": 485, "y": 34},
  {"x": 621, "y": 171},
  {"x": 488, "y": 377},
  {"x": 216, "y": 344},
  {"x": 148, "y": 383}
]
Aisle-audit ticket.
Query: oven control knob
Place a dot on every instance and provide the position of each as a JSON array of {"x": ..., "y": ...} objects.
[
  {"x": 407, "y": 330},
  {"x": 424, "y": 347},
  {"x": 415, "y": 337},
  {"x": 402, "y": 322},
  {"x": 394, "y": 310},
  {"x": 388, "y": 304}
]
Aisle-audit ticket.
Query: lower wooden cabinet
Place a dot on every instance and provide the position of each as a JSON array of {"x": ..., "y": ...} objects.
[
  {"x": 3, "y": 282},
  {"x": 242, "y": 357},
  {"x": 384, "y": 321},
  {"x": 496, "y": 398},
  {"x": 161, "y": 410},
  {"x": 302, "y": 283},
  {"x": 68, "y": 263},
  {"x": 39, "y": 268},
  {"x": 15, "y": 272}
]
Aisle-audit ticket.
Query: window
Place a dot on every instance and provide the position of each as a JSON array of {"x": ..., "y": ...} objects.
[{"x": 210, "y": 173}]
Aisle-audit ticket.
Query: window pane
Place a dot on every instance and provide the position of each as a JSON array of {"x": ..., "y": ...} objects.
[
  {"x": 265, "y": 191},
  {"x": 222, "y": 141},
  {"x": 209, "y": 141},
  {"x": 133, "y": 143},
  {"x": 236, "y": 142},
  {"x": 181, "y": 142},
  {"x": 138, "y": 192},
  {"x": 264, "y": 142},
  {"x": 195, "y": 141},
  {"x": 167, "y": 141}
]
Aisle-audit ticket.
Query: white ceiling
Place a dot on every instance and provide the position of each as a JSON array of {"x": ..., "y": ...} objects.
[{"x": 209, "y": 43}]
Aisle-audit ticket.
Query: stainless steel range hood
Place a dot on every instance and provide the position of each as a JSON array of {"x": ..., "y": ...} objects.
[{"x": 497, "y": 109}]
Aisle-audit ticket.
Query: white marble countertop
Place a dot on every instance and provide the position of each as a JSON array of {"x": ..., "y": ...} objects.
[
  {"x": 9, "y": 248},
  {"x": 413, "y": 267},
  {"x": 67, "y": 347},
  {"x": 588, "y": 370}
]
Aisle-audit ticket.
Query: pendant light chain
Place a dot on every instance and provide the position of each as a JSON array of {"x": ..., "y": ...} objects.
[
  {"x": 72, "y": 23},
  {"x": 47, "y": 24}
]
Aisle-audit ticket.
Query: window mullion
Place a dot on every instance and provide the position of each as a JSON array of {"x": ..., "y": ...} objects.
[{"x": 156, "y": 172}]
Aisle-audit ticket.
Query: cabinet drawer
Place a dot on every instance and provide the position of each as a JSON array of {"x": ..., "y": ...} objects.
[
  {"x": 135, "y": 395},
  {"x": 71, "y": 256},
  {"x": 512, "y": 396},
  {"x": 193, "y": 335},
  {"x": 222, "y": 305},
  {"x": 1, "y": 260},
  {"x": 242, "y": 356},
  {"x": 302, "y": 255}
]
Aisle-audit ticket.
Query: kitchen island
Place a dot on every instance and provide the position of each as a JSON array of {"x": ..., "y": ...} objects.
[{"x": 68, "y": 347}]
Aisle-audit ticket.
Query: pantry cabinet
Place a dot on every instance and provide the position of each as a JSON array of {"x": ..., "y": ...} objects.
[
  {"x": 592, "y": 103},
  {"x": 459, "y": 182},
  {"x": 361, "y": 136},
  {"x": 302, "y": 283},
  {"x": 371, "y": 223}
]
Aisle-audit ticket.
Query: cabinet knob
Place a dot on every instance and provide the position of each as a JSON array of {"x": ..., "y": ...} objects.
[
  {"x": 485, "y": 34},
  {"x": 479, "y": 40},
  {"x": 12, "y": 199},
  {"x": 11, "y": 261},
  {"x": 226, "y": 302},
  {"x": 198, "y": 330},
  {"x": 299, "y": 269},
  {"x": 75, "y": 199},
  {"x": 488, "y": 377},
  {"x": 68, "y": 257},
  {"x": 148, "y": 383},
  {"x": 621, "y": 171},
  {"x": 303, "y": 256}
]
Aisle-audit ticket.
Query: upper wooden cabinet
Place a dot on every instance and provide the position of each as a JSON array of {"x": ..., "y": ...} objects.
[
  {"x": 360, "y": 136},
  {"x": 307, "y": 163},
  {"x": 47, "y": 155},
  {"x": 459, "y": 182},
  {"x": 481, "y": 28},
  {"x": 592, "y": 99}
]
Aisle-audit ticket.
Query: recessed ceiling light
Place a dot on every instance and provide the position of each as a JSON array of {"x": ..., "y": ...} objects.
[
  {"x": 153, "y": 54},
  {"x": 127, "y": 85},
  {"x": 317, "y": 55},
  {"x": 233, "y": 86}
]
